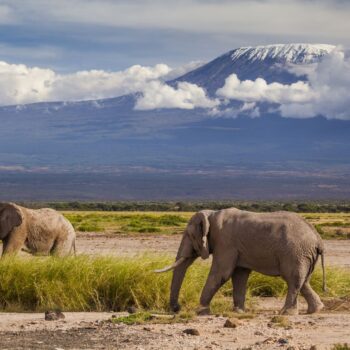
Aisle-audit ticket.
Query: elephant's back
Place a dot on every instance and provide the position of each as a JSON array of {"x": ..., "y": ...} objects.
[
  {"x": 282, "y": 224},
  {"x": 48, "y": 222}
]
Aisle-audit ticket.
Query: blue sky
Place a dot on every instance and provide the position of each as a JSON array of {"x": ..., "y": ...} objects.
[{"x": 67, "y": 36}]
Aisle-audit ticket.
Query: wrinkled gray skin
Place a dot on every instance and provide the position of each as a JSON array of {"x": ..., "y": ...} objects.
[
  {"x": 42, "y": 231},
  {"x": 275, "y": 244}
]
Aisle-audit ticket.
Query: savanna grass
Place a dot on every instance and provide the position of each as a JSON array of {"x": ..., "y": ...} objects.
[
  {"x": 111, "y": 283},
  {"x": 128, "y": 222}
]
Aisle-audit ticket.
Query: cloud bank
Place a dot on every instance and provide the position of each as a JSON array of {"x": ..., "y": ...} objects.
[
  {"x": 325, "y": 93},
  {"x": 221, "y": 16},
  {"x": 20, "y": 84},
  {"x": 330, "y": 84}
]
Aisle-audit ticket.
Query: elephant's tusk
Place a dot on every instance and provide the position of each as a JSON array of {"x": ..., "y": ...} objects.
[{"x": 171, "y": 267}]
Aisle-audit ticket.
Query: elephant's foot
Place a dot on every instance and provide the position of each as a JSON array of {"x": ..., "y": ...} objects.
[
  {"x": 314, "y": 308},
  {"x": 238, "y": 310},
  {"x": 203, "y": 310},
  {"x": 175, "y": 307},
  {"x": 289, "y": 311}
]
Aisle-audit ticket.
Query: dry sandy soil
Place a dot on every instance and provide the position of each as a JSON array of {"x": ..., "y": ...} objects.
[{"x": 94, "y": 331}]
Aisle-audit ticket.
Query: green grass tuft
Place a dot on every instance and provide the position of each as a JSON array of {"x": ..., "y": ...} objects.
[
  {"x": 151, "y": 318},
  {"x": 138, "y": 318},
  {"x": 341, "y": 347}
]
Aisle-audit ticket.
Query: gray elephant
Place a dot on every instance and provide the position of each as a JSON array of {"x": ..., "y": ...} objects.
[
  {"x": 275, "y": 244},
  {"x": 42, "y": 231}
]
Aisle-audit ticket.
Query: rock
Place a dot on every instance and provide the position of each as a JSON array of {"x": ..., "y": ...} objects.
[
  {"x": 283, "y": 341},
  {"x": 131, "y": 309},
  {"x": 313, "y": 347},
  {"x": 54, "y": 315},
  {"x": 258, "y": 333},
  {"x": 231, "y": 323},
  {"x": 191, "y": 331}
]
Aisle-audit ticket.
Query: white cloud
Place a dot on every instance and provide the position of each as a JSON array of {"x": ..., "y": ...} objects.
[
  {"x": 260, "y": 91},
  {"x": 331, "y": 81},
  {"x": 20, "y": 84},
  {"x": 97, "y": 84},
  {"x": 325, "y": 93},
  {"x": 187, "y": 96}
]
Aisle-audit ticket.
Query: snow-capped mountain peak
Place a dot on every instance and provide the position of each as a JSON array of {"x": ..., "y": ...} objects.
[
  {"x": 291, "y": 53},
  {"x": 270, "y": 62}
]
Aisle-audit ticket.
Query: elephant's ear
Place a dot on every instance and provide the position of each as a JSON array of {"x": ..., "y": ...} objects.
[
  {"x": 10, "y": 217},
  {"x": 198, "y": 229}
]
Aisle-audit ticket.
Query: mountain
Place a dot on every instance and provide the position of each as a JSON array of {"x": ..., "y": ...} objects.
[
  {"x": 105, "y": 149},
  {"x": 271, "y": 62}
]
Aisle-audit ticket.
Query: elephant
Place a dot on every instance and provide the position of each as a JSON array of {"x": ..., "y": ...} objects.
[
  {"x": 40, "y": 232},
  {"x": 275, "y": 244}
]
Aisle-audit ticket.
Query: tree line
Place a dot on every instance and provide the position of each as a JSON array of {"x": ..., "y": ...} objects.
[{"x": 257, "y": 206}]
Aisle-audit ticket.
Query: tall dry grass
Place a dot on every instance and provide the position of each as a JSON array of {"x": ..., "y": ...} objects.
[{"x": 111, "y": 283}]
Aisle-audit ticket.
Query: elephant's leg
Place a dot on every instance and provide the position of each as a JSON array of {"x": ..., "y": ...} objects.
[
  {"x": 239, "y": 281},
  {"x": 313, "y": 300},
  {"x": 291, "y": 304},
  {"x": 13, "y": 244},
  {"x": 295, "y": 280},
  {"x": 221, "y": 270},
  {"x": 61, "y": 247}
]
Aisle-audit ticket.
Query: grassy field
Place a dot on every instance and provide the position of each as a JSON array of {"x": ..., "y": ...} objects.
[
  {"x": 110, "y": 283},
  {"x": 329, "y": 225},
  {"x": 128, "y": 222}
]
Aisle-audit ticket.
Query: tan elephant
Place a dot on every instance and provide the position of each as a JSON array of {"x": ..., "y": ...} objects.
[
  {"x": 276, "y": 244},
  {"x": 41, "y": 231}
]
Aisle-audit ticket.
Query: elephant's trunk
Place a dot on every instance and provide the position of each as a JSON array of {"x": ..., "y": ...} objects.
[{"x": 178, "y": 277}]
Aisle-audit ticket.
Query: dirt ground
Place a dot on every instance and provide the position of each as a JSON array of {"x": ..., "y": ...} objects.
[{"x": 94, "y": 331}]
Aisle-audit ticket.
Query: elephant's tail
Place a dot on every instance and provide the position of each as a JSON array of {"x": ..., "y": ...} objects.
[{"x": 321, "y": 252}]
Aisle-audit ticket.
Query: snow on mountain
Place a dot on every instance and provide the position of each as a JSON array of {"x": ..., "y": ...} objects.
[{"x": 291, "y": 53}]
